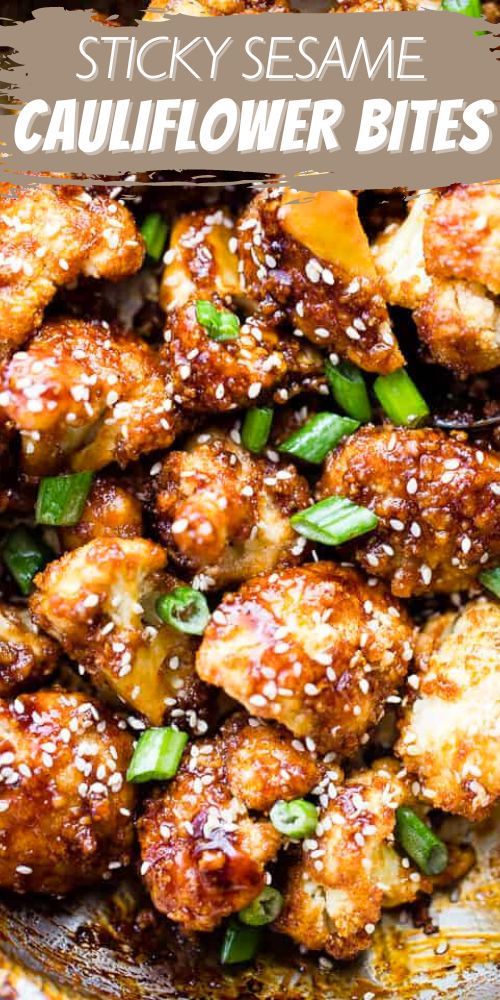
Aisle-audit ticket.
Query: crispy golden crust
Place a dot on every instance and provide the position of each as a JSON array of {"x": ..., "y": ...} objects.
[
  {"x": 307, "y": 258},
  {"x": 96, "y": 602},
  {"x": 225, "y": 514},
  {"x": 313, "y": 647},
  {"x": 449, "y": 733},
  {"x": 462, "y": 235},
  {"x": 48, "y": 237},
  {"x": 65, "y": 815},
  {"x": 26, "y": 656},
  {"x": 200, "y": 262},
  {"x": 110, "y": 511},
  {"x": 437, "y": 500},
  {"x": 460, "y": 325},
  {"x": 213, "y": 8},
  {"x": 374, "y": 6}
]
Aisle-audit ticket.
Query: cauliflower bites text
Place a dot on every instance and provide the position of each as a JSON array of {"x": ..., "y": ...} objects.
[
  {"x": 93, "y": 601},
  {"x": 306, "y": 258},
  {"x": 450, "y": 732},
  {"x": 65, "y": 808},
  {"x": 49, "y": 236},
  {"x": 313, "y": 647},
  {"x": 225, "y": 514},
  {"x": 26, "y": 656},
  {"x": 437, "y": 500},
  {"x": 203, "y": 856},
  {"x": 110, "y": 511}
]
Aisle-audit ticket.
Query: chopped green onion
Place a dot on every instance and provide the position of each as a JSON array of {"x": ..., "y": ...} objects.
[
  {"x": 240, "y": 944},
  {"x": 400, "y": 398},
  {"x": 296, "y": 819},
  {"x": 256, "y": 428},
  {"x": 157, "y": 755},
  {"x": 154, "y": 230},
  {"x": 471, "y": 8},
  {"x": 24, "y": 556},
  {"x": 220, "y": 324},
  {"x": 61, "y": 499},
  {"x": 184, "y": 609},
  {"x": 420, "y": 843},
  {"x": 264, "y": 909},
  {"x": 334, "y": 521},
  {"x": 490, "y": 578},
  {"x": 318, "y": 436},
  {"x": 349, "y": 390}
]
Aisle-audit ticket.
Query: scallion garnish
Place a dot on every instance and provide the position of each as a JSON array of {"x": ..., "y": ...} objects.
[
  {"x": 24, "y": 556},
  {"x": 220, "y": 324},
  {"x": 264, "y": 909},
  {"x": 419, "y": 842},
  {"x": 334, "y": 521},
  {"x": 61, "y": 499},
  {"x": 184, "y": 609},
  {"x": 490, "y": 578},
  {"x": 318, "y": 436},
  {"x": 400, "y": 399},
  {"x": 256, "y": 428},
  {"x": 157, "y": 755},
  {"x": 349, "y": 390},
  {"x": 240, "y": 944},
  {"x": 471, "y": 8},
  {"x": 296, "y": 819},
  {"x": 154, "y": 231}
]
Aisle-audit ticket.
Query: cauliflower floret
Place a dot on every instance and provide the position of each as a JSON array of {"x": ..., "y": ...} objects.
[
  {"x": 462, "y": 234},
  {"x": 96, "y": 601},
  {"x": 376, "y": 6},
  {"x": 65, "y": 809},
  {"x": 26, "y": 656},
  {"x": 450, "y": 731},
  {"x": 225, "y": 514},
  {"x": 460, "y": 325},
  {"x": 110, "y": 510},
  {"x": 203, "y": 855},
  {"x": 306, "y": 257},
  {"x": 49, "y": 236},
  {"x": 213, "y": 8},
  {"x": 200, "y": 263},
  {"x": 313, "y": 647},
  {"x": 437, "y": 501}
]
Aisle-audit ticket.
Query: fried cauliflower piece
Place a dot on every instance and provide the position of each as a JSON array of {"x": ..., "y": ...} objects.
[
  {"x": 306, "y": 257},
  {"x": 437, "y": 500},
  {"x": 376, "y": 6},
  {"x": 334, "y": 899},
  {"x": 96, "y": 602},
  {"x": 450, "y": 731},
  {"x": 86, "y": 395},
  {"x": 110, "y": 510},
  {"x": 65, "y": 809},
  {"x": 26, "y": 656},
  {"x": 225, "y": 514},
  {"x": 203, "y": 855},
  {"x": 462, "y": 234},
  {"x": 201, "y": 262},
  {"x": 213, "y": 8},
  {"x": 49, "y": 235},
  {"x": 313, "y": 647}
]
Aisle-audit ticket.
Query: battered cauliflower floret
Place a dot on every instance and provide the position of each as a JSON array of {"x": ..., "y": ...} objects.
[
  {"x": 306, "y": 257},
  {"x": 200, "y": 262},
  {"x": 212, "y": 8},
  {"x": 85, "y": 395},
  {"x": 225, "y": 514},
  {"x": 110, "y": 510},
  {"x": 462, "y": 234},
  {"x": 49, "y": 236},
  {"x": 26, "y": 656},
  {"x": 437, "y": 500},
  {"x": 203, "y": 855},
  {"x": 376, "y": 6},
  {"x": 96, "y": 601},
  {"x": 450, "y": 732},
  {"x": 65, "y": 809},
  {"x": 313, "y": 647},
  {"x": 350, "y": 870}
]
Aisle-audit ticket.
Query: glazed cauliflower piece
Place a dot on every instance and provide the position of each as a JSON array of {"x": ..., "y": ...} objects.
[
  {"x": 27, "y": 657},
  {"x": 65, "y": 808},
  {"x": 437, "y": 500},
  {"x": 377, "y": 6},
  {"x": 450, "y": 730},
  {"x": 49, "y": 235},
  {"x": 96, "y": 601},
  {"x": 313, "y": 647},
  {"x": 201, "y": 261},
  {"x": 224, "y": 514},
  {"x": 305, "y": 257},
  {"x": 84, "y": 394},
  {"x": 203, "y": 855},
  {"x": 350, "y": 870},
  {"x": 111, "y": 510},
  {"x": 157, "y": 9}
]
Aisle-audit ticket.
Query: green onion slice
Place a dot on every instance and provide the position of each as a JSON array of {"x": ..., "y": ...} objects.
[
  {"x": 349, "y": 390},
  {"x": 220, "y": 324},
  {"x": 61, "y": 499},
  {"x": 24, "y": 556},
  {"x": 154, "y": 230},
  {"x": 420, "y": 843},
  {"x": 256, "y": 428},
  {"x": 490, "y": 578},
  {"x": 318, "y": 436},
  {"x": 157, "y": 755},
  {"x": 240, "y": 944},
  {"x": 471, "y": 8},
  {"x": 400, "y": 399},
  {"x": 184, "y": 609},
  {"x": 334, "y": 521},
  {"x": 296, "y": 819},
  {"x": 264, "y": 909}
]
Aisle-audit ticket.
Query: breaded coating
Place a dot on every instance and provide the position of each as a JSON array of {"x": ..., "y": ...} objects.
[
  {"x": 110, "y": 510},
  {"x": 84, "y": 395},
  {"x": 224, "y": 514},
  {"x": 306, "y": 257},
  {"x": 377, "y": 6},
  {"x": 213, "y": 8},
  {"x": 201, "y": 262},
  {"x": 350, "y": 870},
  {"x": 313, "y": 647},
  {"x": 450, "y": 731},
  {"x": 203, "y": 855},
  {"x": 97, "y": 602},
  {"x": 462, "y": 234},
  {"x": 49, "y": 235},
  {"x": 26, "y": 656},
  {"x": 437, "y": 500},
  {"x": 65, "y": 808}
]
